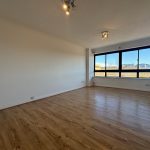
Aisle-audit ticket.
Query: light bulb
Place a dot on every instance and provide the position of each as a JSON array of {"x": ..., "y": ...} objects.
[
  {"x": 65, "y": 7},
  {"x": 67, "y": 13},
  {"x": 105, "y": 35}
]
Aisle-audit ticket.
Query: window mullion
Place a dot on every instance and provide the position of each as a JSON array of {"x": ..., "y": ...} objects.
[
  {"x": 120, "y": 63},
  {"x": 105, "y": 65},
  {"x": 138, "y": 64}
]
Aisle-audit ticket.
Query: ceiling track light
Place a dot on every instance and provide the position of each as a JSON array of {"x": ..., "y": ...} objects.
[
  {"x": 68, "y": 5},
  {"x": 105, "y": 35}
]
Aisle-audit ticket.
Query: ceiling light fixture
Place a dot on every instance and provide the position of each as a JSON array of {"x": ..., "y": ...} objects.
[
  {"x": 67, "y": 13},
  {"x": 105, "y": 35},
  {"x": 68, "y": 5},
  {"x": 65, "y": 6}
]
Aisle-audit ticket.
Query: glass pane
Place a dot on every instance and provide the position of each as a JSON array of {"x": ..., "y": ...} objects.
[
  {"x": 144, "y": 58},
  {"x": 112, "y": 61},
  {"x": 100, "y": 74},
  {"x": 112, "y": 74},
  {"x": 144, "y": 74},
  {"x": 129, "y": 74},
  {"x": 129, "y": 60},
  {"x": 100, "y": 62}
]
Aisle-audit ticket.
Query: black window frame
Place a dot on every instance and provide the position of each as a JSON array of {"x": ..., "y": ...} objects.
[{"x": 120, "y": 70}]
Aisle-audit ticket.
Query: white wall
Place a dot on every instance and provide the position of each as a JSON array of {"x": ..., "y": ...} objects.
[
  {"x": 33, "y": 64},
  {"x": 126, "y": 83},
  {"x": 124, "y": 45}
]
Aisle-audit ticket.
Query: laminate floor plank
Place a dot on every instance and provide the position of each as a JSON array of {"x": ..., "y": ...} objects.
[{"x": 94, "y": 118}]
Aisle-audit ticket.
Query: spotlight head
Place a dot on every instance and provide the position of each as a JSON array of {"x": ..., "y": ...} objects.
[
  {"x": 67, "y": 13},
  {"x": 65, "y": 6},
  {"x": 68, "y": 5}
]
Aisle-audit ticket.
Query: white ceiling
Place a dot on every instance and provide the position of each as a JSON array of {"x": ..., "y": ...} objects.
[{"x": 125, "y": 19}]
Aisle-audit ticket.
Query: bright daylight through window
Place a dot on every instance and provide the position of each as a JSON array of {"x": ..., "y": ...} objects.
[{"x": 132, "y": 63}]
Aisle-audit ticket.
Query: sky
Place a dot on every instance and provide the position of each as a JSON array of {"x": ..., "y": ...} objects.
[{"x": 127, "y": 58}]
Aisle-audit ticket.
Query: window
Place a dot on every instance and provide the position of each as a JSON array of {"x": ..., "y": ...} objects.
[
  {"x": 129, "y": 74},
  {"x": 100, "y": 74},
  {"x": 112, "y": 61},
  {"x": 132, "y": 63},
  {"x": 112, "y": 74},
  {"x": 130, "y": 60},
  {"x": 144, "y": 58},
  {"x": 144, "y": 75},
  {"x": 100, "y": 62}
]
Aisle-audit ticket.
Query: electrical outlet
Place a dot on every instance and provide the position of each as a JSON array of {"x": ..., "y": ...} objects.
[{"x": 147, "y": 85}]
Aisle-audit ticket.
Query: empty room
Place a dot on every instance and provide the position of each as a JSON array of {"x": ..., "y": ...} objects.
[{"x": 74, "y": 75}]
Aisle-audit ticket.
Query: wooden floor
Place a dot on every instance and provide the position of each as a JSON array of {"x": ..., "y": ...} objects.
[{"x": 86, "y": 119}]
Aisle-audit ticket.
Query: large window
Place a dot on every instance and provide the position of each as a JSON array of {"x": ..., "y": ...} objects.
[{"x": 132, "y": 63}]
